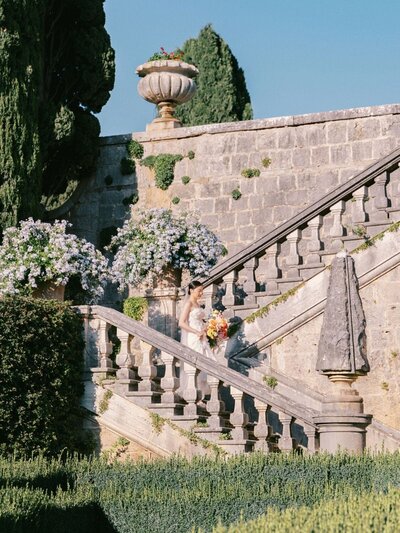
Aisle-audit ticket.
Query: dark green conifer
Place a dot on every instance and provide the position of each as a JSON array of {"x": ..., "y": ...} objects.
[
  {"x": 221, "y": 95},
  {"x": 20, "y": 78},
  {"x": 57, "y": 69}
]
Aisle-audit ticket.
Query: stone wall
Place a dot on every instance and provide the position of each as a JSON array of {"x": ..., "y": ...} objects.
[{"x": 310, "y": 155}]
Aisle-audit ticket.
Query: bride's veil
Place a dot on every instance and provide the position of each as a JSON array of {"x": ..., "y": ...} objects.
[{"x": 184, "y": 333}]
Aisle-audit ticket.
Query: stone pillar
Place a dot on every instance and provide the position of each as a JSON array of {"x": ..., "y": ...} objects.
[{"x": 342, "y": 357}]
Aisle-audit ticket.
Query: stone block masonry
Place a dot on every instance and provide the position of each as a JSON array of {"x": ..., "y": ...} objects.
[{"x": 309, "y": 156}]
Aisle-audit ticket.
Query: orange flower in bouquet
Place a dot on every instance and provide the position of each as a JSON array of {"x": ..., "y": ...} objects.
[{"x": 216, "y": 329}]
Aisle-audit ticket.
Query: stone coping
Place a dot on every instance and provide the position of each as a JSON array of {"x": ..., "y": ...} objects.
[{"x": 253, "y": 125}]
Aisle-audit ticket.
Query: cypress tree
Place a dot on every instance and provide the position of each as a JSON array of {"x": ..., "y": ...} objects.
[
  {"x": 21, "y": 72},
  {"x": 78, "y": 76},
  {"x": 222, "y": 94},
  {"x": 57, "y": 69}
]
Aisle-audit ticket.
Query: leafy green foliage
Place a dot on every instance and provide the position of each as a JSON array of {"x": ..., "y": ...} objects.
[
  {"x": 185, "y": 180},
  {"x": 135, "y": 149},
  {"x": 163, "y": 166},
  {"x": 131, "y": 200},
  {"x": 266, "y": 162},
  {"x": 78, "y": 75},
  {"x": 236, "y": 194},
  {"x": 270, "y": 381},
  {"x": 250, "y": 172},
  {"x": 148, "y": 161},
  {"x": 57, "y": 70},
  {"x": 221, "y": 94},
  {"x": 127, "y": 166},
  {"x": 175, "y": 200},
  {"x": 41, "y": 358},
  {"x": 191, "y": 154},
  {"x": 21, "y": 70},
  {"x": 135, "y": 307},
  {"x": 298, "y": 493}
]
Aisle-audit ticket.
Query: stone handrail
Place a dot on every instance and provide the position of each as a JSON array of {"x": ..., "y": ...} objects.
[
  {"x": 227, "y": 375},
  {"x": 386, "y": 164},
  {"x": 138, "y": 380}
]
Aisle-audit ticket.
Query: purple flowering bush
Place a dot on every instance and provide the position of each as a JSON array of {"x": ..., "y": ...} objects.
[
  {"x": 38, "y": 252},
  {"x": 157, "y": 239}
]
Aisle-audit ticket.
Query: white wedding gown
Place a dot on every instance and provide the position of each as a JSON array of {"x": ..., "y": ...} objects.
[{"x": 196, "y": 320}]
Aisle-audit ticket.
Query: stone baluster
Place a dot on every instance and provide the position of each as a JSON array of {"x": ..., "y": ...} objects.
[
  {"x": 190, "y": 394},
  {"x": 270, "y": 270},
  {"x": 337, "y": 210},
  {"x": 262, "y": 430},
  {"x": 293, "y": 259},
  {"x": 125, "y": 361},
  {"x": 381, "y": 202},
  {"x": 311, "y": 434},
  {"x": 359, "y": 197},
  {"x": 381, "y": 199},
  {"x": 105, "y": 346},
  {"x": 239, "y": 418},
  {"x": 209, "y": 296},
  {"x": 315, "y": 244},
  {"x": 249, "y": 286},
  {"x": 215, "y": 406},
  {"x": 147, "y": 371},
  {"x": 169, "y": 383},
  {"x": 337, "y": 230},
  {"x": 230, "y": 281},
  {"x": 285, "y": 441}
]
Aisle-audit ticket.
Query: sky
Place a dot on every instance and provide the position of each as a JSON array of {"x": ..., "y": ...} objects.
[{"x": 298, "y": 56}]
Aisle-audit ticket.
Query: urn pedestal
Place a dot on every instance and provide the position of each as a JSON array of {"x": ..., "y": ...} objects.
[{"x": 166, "y": 83}]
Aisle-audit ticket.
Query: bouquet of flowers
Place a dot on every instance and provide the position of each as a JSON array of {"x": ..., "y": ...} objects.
[{"x": 217, "y": 329}]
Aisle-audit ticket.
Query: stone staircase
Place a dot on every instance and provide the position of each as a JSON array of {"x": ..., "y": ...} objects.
[
  {"x": 240, "y": 415},
  {"x": 348, "y": 217},
  {"x": 259, "y": 399}
]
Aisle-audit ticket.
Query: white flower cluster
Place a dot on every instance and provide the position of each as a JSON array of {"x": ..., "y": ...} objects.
[
  {"x": 157, "y": 239},
  {"x": 38, "y": 251}
]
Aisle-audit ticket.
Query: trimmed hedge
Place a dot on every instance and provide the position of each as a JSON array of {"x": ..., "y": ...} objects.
[
  {"x": 41, "y": 360},
  {"x": 372, "y": 513},
  {"x": 288, "y": 493}
]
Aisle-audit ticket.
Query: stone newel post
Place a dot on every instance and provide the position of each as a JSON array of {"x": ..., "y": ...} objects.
[{"x": 342, "y": 357}]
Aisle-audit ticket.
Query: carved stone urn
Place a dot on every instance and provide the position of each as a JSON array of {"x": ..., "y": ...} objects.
[{"x": 166, "y": 83}]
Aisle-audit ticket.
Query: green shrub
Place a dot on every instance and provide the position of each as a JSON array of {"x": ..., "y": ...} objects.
[
  {"x": 41, "y": 354},
  {"x": 176, "y": 494},
  {"x": 163, "y": 166},
  {"x": 266, "y": 162},
  {"x": 191, "y": 154},
  {"x": 148, "y": 161},
  {"x": 135, "y": 149},
  {"x": 250, "y": 172},
  {"x": 185, "y": 180},
  {"x": 236, "y": 194},
  {"x": 127, "y": 166},
  {"x": 175, "y": 200},
  {"x": 348, "y": 512},
  {"x": 131, "y": 200},
  {"x": 135, "y": 307},
  {"x": 108, "y": 180}
]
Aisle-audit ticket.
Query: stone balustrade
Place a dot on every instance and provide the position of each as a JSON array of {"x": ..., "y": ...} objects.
[
  {"x": 240, "y": 414},
  {"x": 303, "y": 246}
]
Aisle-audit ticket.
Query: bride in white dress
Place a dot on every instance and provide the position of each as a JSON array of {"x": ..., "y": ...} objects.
[{"x": 193, "y": 332}]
